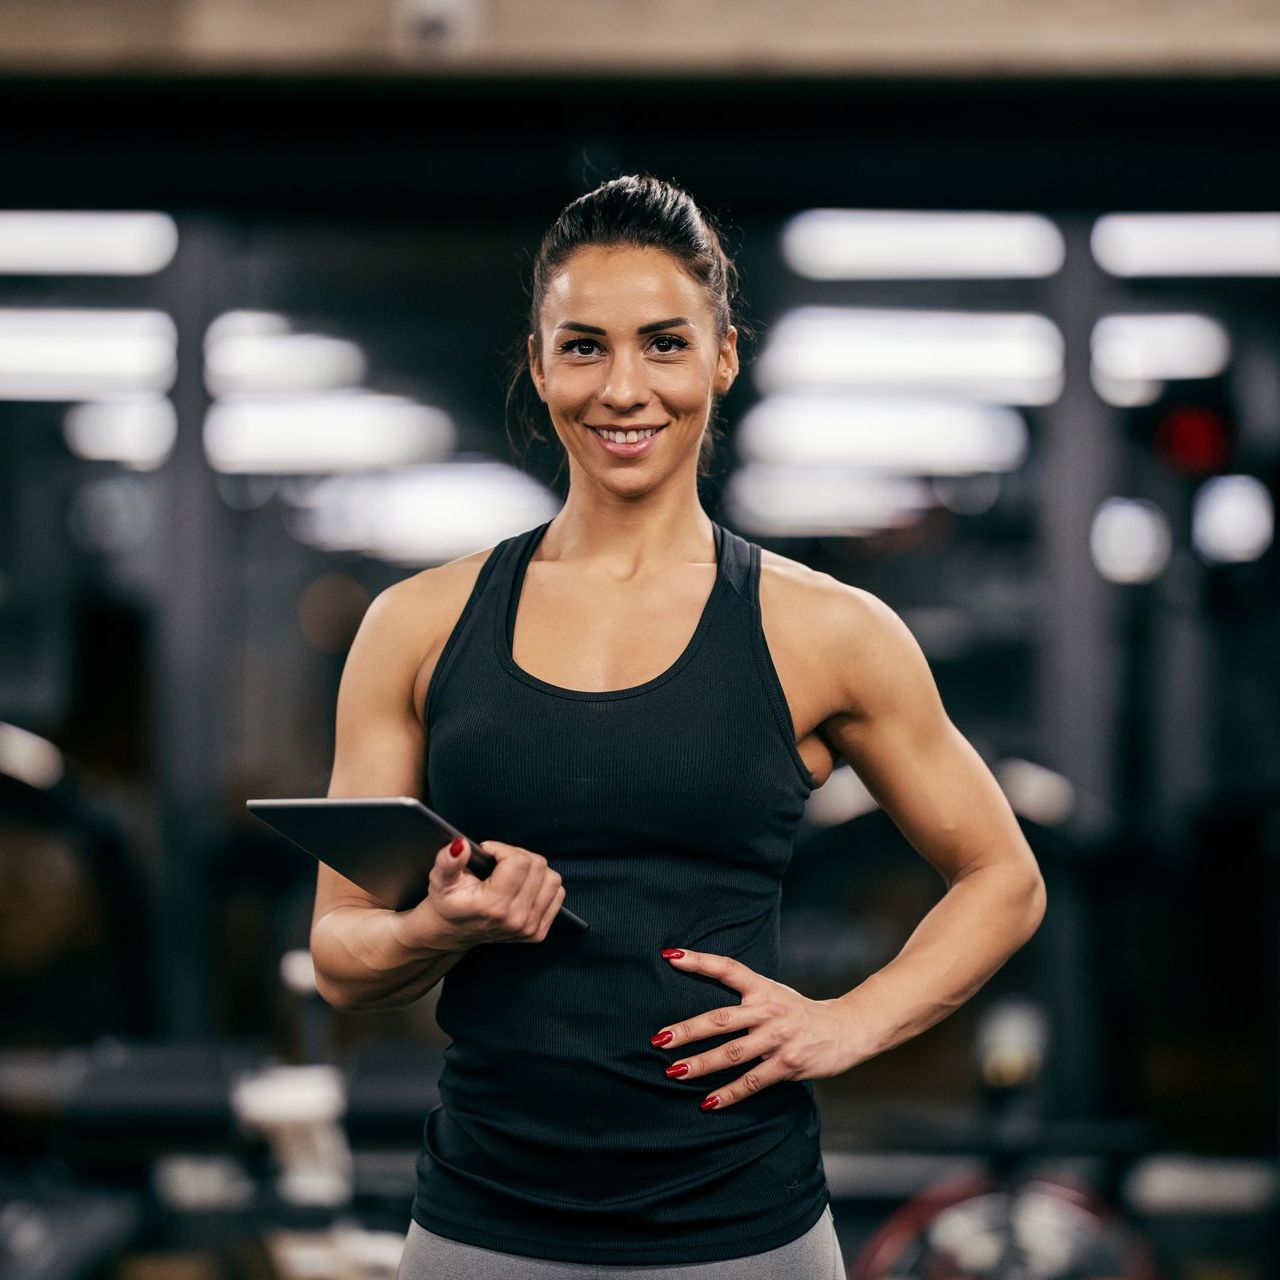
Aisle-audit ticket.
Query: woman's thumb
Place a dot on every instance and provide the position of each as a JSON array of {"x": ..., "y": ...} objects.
[{"x": 452, "y": 859}]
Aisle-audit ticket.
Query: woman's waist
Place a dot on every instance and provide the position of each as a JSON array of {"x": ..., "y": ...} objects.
[
  {"x": 584, "y": 1150},
  {"x": 610, "y": 983},
  {"x": 574, "y": 1099},
  {"x": 634, "y": 897}
]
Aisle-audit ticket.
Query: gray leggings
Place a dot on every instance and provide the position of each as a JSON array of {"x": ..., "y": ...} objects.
[{"x": 814, "y": 1256}]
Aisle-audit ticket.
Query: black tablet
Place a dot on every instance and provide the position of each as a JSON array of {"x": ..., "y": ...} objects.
[{"x": 385, "y": 844}]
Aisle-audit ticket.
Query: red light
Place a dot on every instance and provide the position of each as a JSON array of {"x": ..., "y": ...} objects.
[{"x": 1193, "y": 439}]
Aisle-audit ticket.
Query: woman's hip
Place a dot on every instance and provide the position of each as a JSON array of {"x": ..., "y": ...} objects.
[{"x": 815, "y": 1255}]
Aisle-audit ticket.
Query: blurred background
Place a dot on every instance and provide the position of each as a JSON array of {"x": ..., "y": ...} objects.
[{"x": 1014, "y": 271}]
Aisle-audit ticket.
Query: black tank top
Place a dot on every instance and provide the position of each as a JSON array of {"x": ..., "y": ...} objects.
[{"x": 669, "y": 809}]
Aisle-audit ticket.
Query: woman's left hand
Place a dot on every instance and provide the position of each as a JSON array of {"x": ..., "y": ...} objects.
[{"x": 797, "y": 1038}]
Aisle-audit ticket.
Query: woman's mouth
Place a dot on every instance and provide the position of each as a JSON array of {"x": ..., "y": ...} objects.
[{"x": 621, "y": 445}]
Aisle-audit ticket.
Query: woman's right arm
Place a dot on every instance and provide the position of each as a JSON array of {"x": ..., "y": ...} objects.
[
  {"x": 362, "y": 958},
  {"x": 367, "y": 956}
]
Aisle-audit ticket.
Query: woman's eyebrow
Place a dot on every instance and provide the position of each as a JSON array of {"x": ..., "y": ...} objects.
[{"x": 674, "y": 323}]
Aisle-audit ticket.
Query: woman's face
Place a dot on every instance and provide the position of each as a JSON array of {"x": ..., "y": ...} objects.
[{"x": 629, "y": 341}]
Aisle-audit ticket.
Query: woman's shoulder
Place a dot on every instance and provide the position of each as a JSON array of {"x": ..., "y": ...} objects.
[
  {"x": 432, "y": 587},
  {"x": 818, "y": 597},
  {"x": 428, "y": 595},
  {"x": 424, "y": 607},
  {"x": 834, "y": 626},
  {"x": 791, "y": 589}
]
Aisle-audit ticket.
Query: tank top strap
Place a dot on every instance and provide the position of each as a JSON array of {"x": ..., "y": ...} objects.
[
  {"x": 741, "y": 638},
  {"x": 736, "y": 561},
  {"x": 486, "y": 601},
  {"x": 515, "y": 561}
]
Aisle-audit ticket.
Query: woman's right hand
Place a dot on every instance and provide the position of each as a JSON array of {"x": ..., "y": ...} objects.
[{"x": 516, "y": 902}]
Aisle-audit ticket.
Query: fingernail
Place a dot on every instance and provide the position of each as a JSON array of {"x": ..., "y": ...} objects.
[
  {"x": 663, "y": 1037},
  {"x": 680, "y": 1069},
  {"x": 672, "y": 953},
  {"x": 711, "y": 1103},
  {"x": 457, "y": 847}
]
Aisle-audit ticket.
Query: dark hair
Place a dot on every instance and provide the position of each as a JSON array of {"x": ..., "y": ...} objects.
[{"x": 641, "y": 211}]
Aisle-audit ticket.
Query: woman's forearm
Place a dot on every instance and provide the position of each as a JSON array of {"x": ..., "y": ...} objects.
[
  {"x": 362, "y": 966},
  {"x": 982, "y": 919}
]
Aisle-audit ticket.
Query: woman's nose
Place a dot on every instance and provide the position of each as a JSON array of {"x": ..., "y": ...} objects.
[{"x": 625, "y": 384}]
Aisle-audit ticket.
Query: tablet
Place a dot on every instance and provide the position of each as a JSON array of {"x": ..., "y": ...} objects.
[{"x": 385, "y": 844}]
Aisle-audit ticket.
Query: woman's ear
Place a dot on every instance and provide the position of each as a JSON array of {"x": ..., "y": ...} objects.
[
  {"x": 535, "y": 366},
  {"x": 727, "y": 361}
]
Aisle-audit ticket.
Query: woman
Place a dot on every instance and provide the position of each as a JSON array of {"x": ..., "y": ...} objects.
[{"x": 600, "y": 693}]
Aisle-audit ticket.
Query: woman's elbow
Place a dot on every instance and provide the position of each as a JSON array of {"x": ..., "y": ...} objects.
[
  {"x": 1037, "y": 903},
  {"x": 334, "y": 995}
]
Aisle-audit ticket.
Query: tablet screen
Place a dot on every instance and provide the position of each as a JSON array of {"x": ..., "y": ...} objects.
[{"x": 385, "y": 844}]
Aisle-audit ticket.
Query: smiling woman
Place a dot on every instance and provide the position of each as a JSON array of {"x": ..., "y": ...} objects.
[
  {"x": 652, "y": 237},
  {"x": 620, "y": 647},
  {"x": 640, "y": 378},
  {"x": 636, "y": 702}
]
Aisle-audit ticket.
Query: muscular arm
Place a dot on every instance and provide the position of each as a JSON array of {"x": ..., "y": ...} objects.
[
  {"x": 896, "y": 735},
  {"x": 361, "y": 960}
]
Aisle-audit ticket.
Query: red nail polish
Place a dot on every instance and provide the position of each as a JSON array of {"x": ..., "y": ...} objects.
[
  {"x": 457, "y": 847},
  {"x": 711, "y": 1103},
  {"x": 672, "y": 953},
  {"x": 680, "y": 1069},
  {"x": 663, "y": 1037}
]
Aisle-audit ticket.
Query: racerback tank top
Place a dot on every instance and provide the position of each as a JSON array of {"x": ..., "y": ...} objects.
[{"x": 669, "y": 810}]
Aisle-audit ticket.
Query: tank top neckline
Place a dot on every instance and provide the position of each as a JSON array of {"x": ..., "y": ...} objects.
[{"x": 505, "y": 619}]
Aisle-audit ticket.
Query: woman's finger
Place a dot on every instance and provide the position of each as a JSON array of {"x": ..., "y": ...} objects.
[
  {"x": 724, "y": 1057},
  {"x": 544, "y": 885},
  {"x": 520, "y": 907},
  {"x": 553, "y": 909},
  {"x": 715, "y": 1022},
  {"x": 550, "y": 896},
  {"x": 511, "y": 873},
  {"x": 769, "y": 1072},
  {"x": 733, "y": 973}
]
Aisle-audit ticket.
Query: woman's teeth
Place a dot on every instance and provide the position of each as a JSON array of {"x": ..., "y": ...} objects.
[{"x": 626, "y": 437}]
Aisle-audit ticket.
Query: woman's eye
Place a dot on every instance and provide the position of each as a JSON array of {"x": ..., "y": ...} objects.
[
  {"x": 670, "y": 337},
  {"x": 573, "y": 345}
]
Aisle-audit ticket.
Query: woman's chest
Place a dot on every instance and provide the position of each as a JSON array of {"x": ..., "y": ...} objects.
[
  {"x": 591, "y": 635},
  {"x": 691, "y": 764}
]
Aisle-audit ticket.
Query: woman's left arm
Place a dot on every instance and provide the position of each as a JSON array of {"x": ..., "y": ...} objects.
[
  {"x": 895, "y": 733},
  {"x": 892, "y": 729}
]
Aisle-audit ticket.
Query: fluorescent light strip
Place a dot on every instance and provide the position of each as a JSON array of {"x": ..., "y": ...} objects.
[
  {"x": 68, "y": 354},
  {"x": 86, "y": 244},
  {"x": 30, "y": 758},
  {"x": 243, "y": 323},
  {"x": 338, "y": 431},
  {"x": 423, "y": 514},
  {"x": 1036, "y": 792},
  {"x": 865, "y": 244},
  {"x": 1188, "y": 244},
  {"x": 1159, "y": 346},
  {"x": 811, "y": 501},
  {"x": 1125, "y": 393},
  {"x": 247, "y": 352},
  {"x": 284, "y": 362},
  {"x": 909, "y": 436},
  {"x": 136, "y": 431},
  {"x": 998, "y": 357}
]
